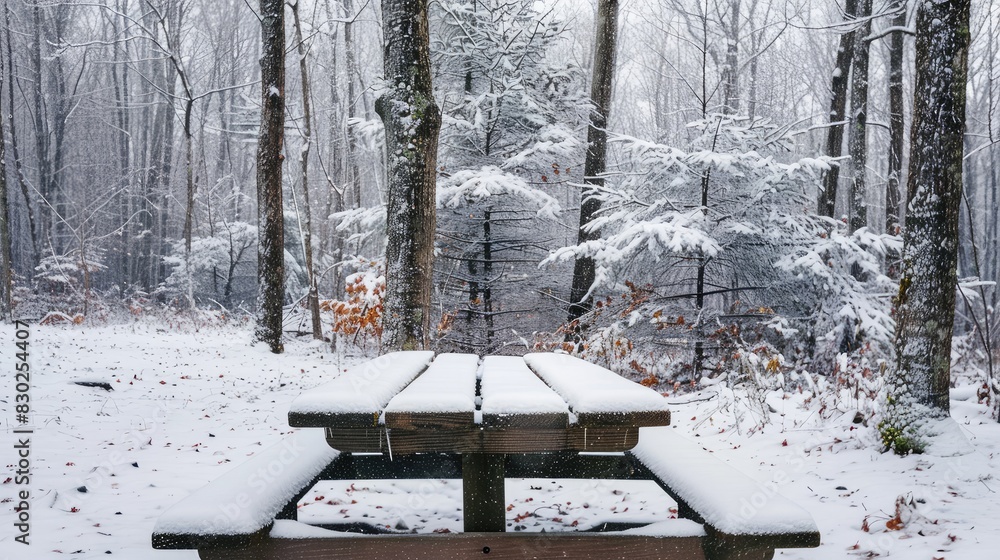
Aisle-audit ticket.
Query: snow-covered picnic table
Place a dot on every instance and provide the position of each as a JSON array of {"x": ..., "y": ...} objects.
[{"x": 414, "y": 415}]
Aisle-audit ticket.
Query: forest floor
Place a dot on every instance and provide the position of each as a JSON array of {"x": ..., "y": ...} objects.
[{"x": 187, "y": 405}]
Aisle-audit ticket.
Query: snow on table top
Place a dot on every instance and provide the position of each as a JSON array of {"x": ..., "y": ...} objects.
[
  {"x": 726, "y": 498},
  {"x": 669, "y": 528},
  {"x": 448, "y": 385},
  {"x": 364, "y": 388},
  {"x": 246, "y": 499},
  {"x": 509, "y": 387},
  {"x": 590, "y": 388}
]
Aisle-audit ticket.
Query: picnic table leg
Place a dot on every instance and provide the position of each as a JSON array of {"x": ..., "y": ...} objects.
[{"x": 483, "y": 492}]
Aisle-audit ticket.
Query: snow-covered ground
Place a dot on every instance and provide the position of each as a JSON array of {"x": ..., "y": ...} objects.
[{"x": 187, "y": 406}]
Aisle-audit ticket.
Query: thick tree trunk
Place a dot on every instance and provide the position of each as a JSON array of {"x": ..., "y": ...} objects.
[
  {"x": 271, "y": 243},
  {"x": 896, "y": 125},
  {"x": 857, "y": 140},
  {"x": 317, "y": 324},
  {"x": 412, "y": 122},
  {"x": 838, "y": 104},
  {"x": 925, "y": 307},
  {"x": 597, "y": 149}
]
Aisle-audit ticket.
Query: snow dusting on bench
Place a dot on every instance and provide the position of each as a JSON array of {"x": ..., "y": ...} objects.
[
  {"x": 509, "y": 387},
  {"x": 726, "y": 498},
  {"x": 590, "y": 388},
  {"x": 448, "y": 385},
  {"x": 365, "y": 388},
  {"x": 246, "y": 499}
]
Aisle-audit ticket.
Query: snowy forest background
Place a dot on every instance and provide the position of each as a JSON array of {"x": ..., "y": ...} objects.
[{"x": 739, "y": 240}]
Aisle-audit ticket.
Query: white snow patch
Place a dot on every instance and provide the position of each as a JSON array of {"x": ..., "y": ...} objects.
[
  {"x": 509, "y": 387},
  {"x": 591, "y": 388},
  {"x": 726, "y": 498},
  {"x": 247, "y": 498},
  {"x": 448, "y": 385},
  {"x": 364, "y": 388}
]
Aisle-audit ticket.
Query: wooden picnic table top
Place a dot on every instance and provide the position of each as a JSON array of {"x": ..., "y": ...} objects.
[{"x": 410, "y": 402}]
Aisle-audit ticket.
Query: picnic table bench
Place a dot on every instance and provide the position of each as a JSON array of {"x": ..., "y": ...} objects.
[{"x": 411, "y": 415}]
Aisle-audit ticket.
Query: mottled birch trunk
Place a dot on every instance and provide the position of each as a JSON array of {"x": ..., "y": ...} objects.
[
  {"x": 412, "y": 122},
  {"x": 271, "y": 242},
  {"x": 918, "y": 381},
  {"x": 597, "y": 149}
]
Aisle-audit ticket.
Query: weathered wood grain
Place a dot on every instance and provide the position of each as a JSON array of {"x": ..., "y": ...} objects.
[
  {"x": 481, "y": 440},
  {"x": 489, "y": 546}
]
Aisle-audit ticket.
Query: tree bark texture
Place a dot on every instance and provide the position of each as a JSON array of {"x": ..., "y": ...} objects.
[
  {"x": 313, "y": 299},
  {"x": 918, "y": 382},
  {"x": 15, "y": 151},
  {"x": 601, "y": 88},
  {"x": 838, "y": 104},
  {"x": 731, "y": 69},
  {"x": 271, "y": 242},
  {"x": 412, "y": 122},
  {"x": 857, "y": 140},
  {"x": 896, "y": 125},
  {"x": 6, "y": 269}
]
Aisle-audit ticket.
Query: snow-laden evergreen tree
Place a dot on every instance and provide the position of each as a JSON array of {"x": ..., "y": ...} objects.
[
  {"x": 726, "y": 214},
  {"x": 511, "y": 135},
  {"x": 919, "y": 380}
]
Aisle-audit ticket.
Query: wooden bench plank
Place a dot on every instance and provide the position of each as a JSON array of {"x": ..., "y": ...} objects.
[
  {"x": 356, "y": 398},
  {"x": 598, "y": 396},
  {"x": 480, "y": 440},
  {"x": 310, "y": 543},
  {"x": 444, "y": 396},
  {"x": 738, "y": 511},
  {"x": 514, "y": 397},
  {"x": 235, "y": 507}
]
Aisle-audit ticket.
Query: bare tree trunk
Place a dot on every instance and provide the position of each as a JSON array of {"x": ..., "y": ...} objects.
[
  {"x": 412, "y": 122},
  {"x": 41, "y": 133},
  {"x": 22, "y": 182},
  {"x": 857, "y": 140},
  {"x": 352, "y": 111},
  {"x": 896, "y": 125},
  {"x": 918, "y": 382},
  {"x": 601, "y": 88},
  {"x": 121, "y": 89},
  {"x": 730, "y": 71},
  {"x": 6, "y": 269},
  {"x": 317, "y": 325},
  {"x": 838, "y": 104},
  {"x": 271, "y": 244},
  {"x": 189, "y": 199}
]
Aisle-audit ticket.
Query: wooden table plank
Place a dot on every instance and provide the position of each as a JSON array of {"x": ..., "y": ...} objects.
[
  {"x": 356, "y": 398},
  {"x": 514, "y": 397},
  {"x": 444, "y": 396},
  {"x": 597, "y": 396}
]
